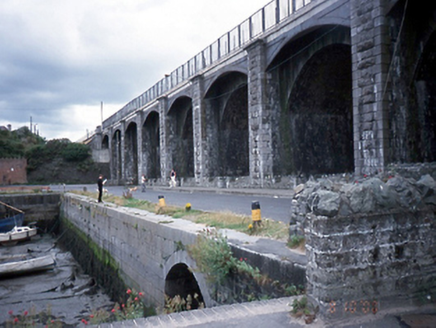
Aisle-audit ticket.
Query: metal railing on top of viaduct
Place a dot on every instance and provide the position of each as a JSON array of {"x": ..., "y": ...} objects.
[{"x": 265, "y": 18}]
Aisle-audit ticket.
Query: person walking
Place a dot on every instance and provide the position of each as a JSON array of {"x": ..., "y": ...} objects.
[
  {"x": 143, "y": 180},
  {"x": 100, "y": 187},
  {"x": 173, "y": 178}
]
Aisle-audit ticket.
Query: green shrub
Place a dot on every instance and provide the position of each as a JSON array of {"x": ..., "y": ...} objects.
[
  {"x": 295, "y": 241},
  {"x": 179, "y": 304},
  {"x": 213, "y": 255},
  {"x": 75, "y": 152}
]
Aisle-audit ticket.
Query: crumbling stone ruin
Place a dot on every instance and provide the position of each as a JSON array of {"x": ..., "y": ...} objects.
[{"x": 369, "y": 241}]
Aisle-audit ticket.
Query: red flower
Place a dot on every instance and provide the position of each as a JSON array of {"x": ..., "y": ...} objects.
[
  {"x": 84, "y": 321},
  {"x": 11, "y": 312},
  {"x": 129, "y": 292},
  {"x": 140, "y": 294},
  {"x": 91, "y": 316},
  {"x": 364, "y": 175},
  {"x": 26, "y": 313},
  {"x": 122, "y": 305},
  {"x": 16, "y": 320},
  {"x": 113, "y": 310},
  {"x": 136, "y": 299}
]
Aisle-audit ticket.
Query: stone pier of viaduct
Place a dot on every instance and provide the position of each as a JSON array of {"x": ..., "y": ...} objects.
[{"x": 300, "y": 88}]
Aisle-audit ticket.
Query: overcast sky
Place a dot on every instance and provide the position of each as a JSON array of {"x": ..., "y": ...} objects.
[{"x": 59, "y": 59}]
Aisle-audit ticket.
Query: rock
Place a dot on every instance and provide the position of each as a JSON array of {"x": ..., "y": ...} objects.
[
  {"x": 298, "y": 189},
  {"x": 362, "y": 199},
  {"x": 326, "y": 203},
  {"x": 384, "y": 195},
  {"x": 408, "y": 195},
  {"x": 427, "y": 187},
  {"x": 344, "y": 208}
]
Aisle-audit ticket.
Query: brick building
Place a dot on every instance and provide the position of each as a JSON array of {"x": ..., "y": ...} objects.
[{"x": 13, "y": 171}]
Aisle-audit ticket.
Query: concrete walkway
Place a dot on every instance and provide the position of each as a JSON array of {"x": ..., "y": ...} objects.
[
  {"x": 272, "y": 314},
  {"x": 277, "y": 314}
]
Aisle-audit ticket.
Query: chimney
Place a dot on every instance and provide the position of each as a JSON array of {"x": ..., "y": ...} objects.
[{"x": 9, "y": 127}]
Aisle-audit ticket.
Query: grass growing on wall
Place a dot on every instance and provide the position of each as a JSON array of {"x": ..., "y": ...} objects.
[
  {"x": 221, "y": 220},
  {"x": 214, "y": 257}
]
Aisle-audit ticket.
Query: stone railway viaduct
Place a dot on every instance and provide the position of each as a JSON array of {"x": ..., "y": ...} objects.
[{"x": 302, "y": 87}]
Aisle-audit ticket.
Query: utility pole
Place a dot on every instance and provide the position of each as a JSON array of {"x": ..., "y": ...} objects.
[{"x": 101, "y": 112}]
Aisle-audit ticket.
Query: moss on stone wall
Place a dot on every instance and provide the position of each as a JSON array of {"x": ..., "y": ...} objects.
[{"x": 94, "y": 260}]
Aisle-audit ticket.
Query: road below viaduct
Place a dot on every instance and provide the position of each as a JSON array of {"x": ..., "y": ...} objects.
[{"x": 275, "y": 204}]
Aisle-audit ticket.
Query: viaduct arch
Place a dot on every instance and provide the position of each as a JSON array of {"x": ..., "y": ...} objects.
[{"x": 328, "y": 86}]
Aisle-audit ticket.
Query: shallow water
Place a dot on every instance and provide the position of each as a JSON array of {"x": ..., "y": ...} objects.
[{"x": 65, "y": 292}]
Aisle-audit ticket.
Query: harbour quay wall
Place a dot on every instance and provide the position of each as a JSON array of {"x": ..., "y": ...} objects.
[
  {"x": 144, "y": 246},
  {"x": 149, "y": 251},
  {"x": 42, "y": 208}
]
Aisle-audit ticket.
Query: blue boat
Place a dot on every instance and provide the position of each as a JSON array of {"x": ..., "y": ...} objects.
[{"x": 8, "y": 223}]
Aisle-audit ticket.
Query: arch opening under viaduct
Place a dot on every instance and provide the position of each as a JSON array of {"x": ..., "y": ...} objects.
[
  {"x": 412, "y": 103},
  {"x": 151, "y": 146},
  {"x": 182, "y": 137},
  {"x": 131, "y": 153},
  {"x": 314, "y": 134},
  {"x": 227, "y": 125}
]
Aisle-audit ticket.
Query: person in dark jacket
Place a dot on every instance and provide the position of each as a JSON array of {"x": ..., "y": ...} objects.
[{"x": 100, "y": 187}]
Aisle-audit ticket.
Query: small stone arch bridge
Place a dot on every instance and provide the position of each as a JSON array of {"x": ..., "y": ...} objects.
[{"x": 302, "y": 87}]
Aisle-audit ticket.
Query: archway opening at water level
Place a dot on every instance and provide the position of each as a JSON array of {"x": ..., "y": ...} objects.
[{"x": 180, "y": 281}]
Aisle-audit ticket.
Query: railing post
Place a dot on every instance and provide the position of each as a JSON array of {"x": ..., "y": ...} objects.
[
  {"x": 277, "y": 11},
  {"x": 239, "y": 35},
  {"x": 210, "y": 55},
  {"x": 228, "y": 42},
  {"x": 263, "y": 19}
]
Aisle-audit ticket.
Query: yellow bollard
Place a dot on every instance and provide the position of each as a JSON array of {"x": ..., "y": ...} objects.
[
  {"x": 255, "y": 213},
  {"x": 161, "y": 201}
]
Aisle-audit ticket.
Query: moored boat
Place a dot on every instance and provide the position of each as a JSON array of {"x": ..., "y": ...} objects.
[
  {"x": 30, "y": 265},
  {"x": 8, "y": 221},
  {"x": 17, "y": 234}
]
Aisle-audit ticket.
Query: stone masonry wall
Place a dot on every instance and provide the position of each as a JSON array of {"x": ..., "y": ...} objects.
[
  {"x": 370, "y": 243},
  {"x": 146, "y": 247},
  {"x": 42, "y": 208}
]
